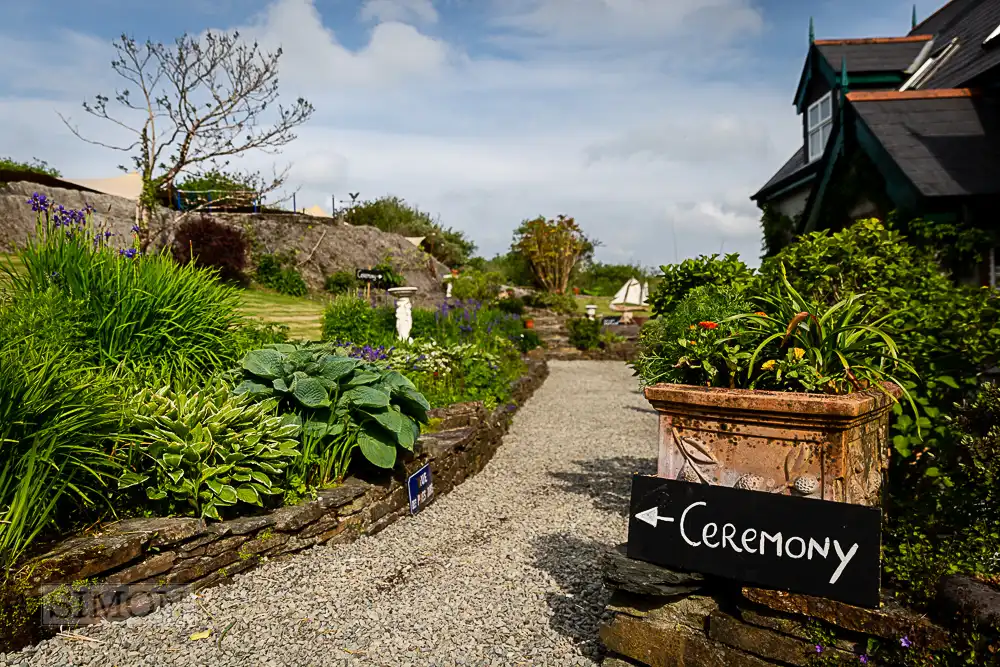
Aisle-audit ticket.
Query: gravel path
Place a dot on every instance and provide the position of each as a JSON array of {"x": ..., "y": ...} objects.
[{"x": 501, "y": 571}]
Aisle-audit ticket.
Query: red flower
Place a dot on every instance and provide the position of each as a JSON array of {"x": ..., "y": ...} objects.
[{"x": 708, "y": 325}]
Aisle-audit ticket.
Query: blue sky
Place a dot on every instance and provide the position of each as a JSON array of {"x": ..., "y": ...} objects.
[{"x": 647, "y": 120}]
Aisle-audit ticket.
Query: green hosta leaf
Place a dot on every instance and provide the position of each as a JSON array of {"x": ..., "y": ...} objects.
[
  {"x": 248, "y": 494},
  {"x": 315, "y": 429},
  {"x": 284, "y": 348},
  {"x": 300, "y": 357},
  {"x": 175, "y": 476},
  {"x": 209, "y": 510},
  {"x": 241, "y": 477},
  {"x": 397, "y": 380},
  {"x": 333, "y": 368},
  {"x": 130, "y": 479},
  {"x": 391, "y": 419},
  {"x": 366, "y": 397},
  {"x": 265, "y": 364},
  {"x": 172, "y": 461},
  {"x": 261, "y": 478},
  {"x": 155, "y": 494},
  {"x": 253, "y": 388},
  {"x": 947, "y": 380},
  {"x": 214, "y": 485},
  {"x": 280, "y": 385},
  {"x": 378, "y": 448},
  {"x": 413, "y": 403},
  {"x": 227, "y": 495},
  {"x": 408, "y": 434},
  {"x": 267, "y": 491},
  {"x": 310, "y": 393},
  {"x": 363, "y": 378}
]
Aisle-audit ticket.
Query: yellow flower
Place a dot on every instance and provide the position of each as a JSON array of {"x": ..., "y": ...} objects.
[
  {"x": 798, "y": 352},
  {"x": 693, "y": 326},
  {"x": 768, "y": 365}
]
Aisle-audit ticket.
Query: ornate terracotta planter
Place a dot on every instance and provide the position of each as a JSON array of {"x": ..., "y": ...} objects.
[{"x": 815, "y": 445}]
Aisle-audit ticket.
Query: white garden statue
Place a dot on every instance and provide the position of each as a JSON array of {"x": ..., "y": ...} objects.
[{"x": 404, "y": 311}]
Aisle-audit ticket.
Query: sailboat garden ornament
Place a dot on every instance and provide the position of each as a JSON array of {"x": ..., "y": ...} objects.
[{"x": 633, "y": 296}]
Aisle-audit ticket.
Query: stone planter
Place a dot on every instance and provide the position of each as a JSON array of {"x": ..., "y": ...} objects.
[{"x": 814, "y": 445}]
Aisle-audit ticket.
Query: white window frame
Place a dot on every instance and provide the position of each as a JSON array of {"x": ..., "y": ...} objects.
[{"x": 823, "y": 127}]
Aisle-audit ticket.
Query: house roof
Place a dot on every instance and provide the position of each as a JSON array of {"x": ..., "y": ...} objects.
[
  {"x": 971, "y": 23},
  {"x": 947, "y": 13},
  {"x": 872, "y": 55},
  {"x": 947, "y": 142},
  {"x": 794, "y": 168}
]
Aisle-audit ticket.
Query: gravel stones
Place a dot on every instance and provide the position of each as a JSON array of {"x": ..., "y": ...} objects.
[{"x": 503, "y": 570}]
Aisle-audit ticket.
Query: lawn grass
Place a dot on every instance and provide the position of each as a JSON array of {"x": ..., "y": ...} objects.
[
  {"x": 302, "y": 316},
  {"x": 603, "y": 304}
]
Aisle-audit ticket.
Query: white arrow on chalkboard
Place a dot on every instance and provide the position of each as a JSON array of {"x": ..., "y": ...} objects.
[{"x": 652, "y": 516}]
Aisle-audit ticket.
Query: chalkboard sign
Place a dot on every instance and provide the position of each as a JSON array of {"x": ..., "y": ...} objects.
[
  {"x": 611, "y": 320},
  {"x": 421, "y": 488},
  {"x": 801, "y": 545},
  {"x": 376, "y": 278}
]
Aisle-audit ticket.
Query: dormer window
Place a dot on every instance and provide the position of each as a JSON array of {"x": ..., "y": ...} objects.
[{"x": 819, "y": 123}]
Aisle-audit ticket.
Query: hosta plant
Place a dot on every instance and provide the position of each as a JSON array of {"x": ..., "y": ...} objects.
[
  {"x": 343, "y": 402},
  {"x": 209, "y": 450}
]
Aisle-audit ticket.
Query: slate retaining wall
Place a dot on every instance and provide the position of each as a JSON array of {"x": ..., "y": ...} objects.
[
  {"x": 663, "y": 618},
  {"x": 177, "y": 556}
]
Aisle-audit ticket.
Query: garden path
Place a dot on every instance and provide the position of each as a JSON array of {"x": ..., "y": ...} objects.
[{"x": 501, "y": 571}]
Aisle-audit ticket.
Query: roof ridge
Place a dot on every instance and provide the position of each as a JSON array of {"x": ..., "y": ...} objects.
[
  {"x": 874, "y": 40},
  {"x": 885, "y": 95}
]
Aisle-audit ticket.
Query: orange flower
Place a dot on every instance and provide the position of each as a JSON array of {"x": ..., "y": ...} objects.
[{"x": 708, "y": 325}]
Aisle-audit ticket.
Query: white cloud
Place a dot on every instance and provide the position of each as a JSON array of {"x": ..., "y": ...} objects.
[
  {"x": 398, "y": 10},
  {"x": 636, "y": 151}
]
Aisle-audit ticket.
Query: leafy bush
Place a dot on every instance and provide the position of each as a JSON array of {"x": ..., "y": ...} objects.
[
  {"x": 343, "y": 403},
  {"x": 461, "y": 372},
  {"x": 599, "y": 279},
  {"x": 669, "y": 344},
  {"x": 526, "y": 341},
  {"x": 553, "y": 247},
  {"x": 129, "y": 309},
  {"x": 478, "y": 285},
  {"x": 209, "y": 450},
  {"x": 390, "y": 278},
  {"x": 679, "y": 279},
  {"x": 513, "y": 266},
  {"x": 341, "y": 282},
  {"x": 279, "y": 273},
  {"x": 214, "y": 185},
  {"x": 36, "y": 166},
  {"x": 349, "y": 318},
  {"x": 55, "y": 417},
  {"x": 584, "y": 334},
  {"x": 512, "y": 304},
  {"x": 559, "y": 303},
  {"x": 215, "y": 246},
  {"x": 392, "y": 214}
]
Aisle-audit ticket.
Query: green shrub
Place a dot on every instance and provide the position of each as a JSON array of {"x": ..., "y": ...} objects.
[
  {"x": 584, "y": 333},
  {"x": 341, "y": 282},
  {"x": 462, "y": 372},
  {"x": 278, "y": 272},
  {"x": 352, "y": 319},
  {"x": 214, "y": 245},
  {"x": 424, "y": 323},
  {"x": 209, "y": 450},
  {"x": 526, "y": 341},
  {"x": 390, "y": 278},
  {"x": 342, "y": 402},
  {"x": 481, "y": 286},
  {"x": 559, "y": 303},
  {"x": 130, "y": 309},
  {"x": 56, "y": 416},
  {"x": 36, "y": 166},
  {"x": 512, "y": 304},
  {"x": 599, "y": 279},
  {"x": 667, "y": 340},
  {"x": 679, "y": 279}
]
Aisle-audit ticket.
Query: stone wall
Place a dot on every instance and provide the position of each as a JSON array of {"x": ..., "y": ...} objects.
[
  {"x": 183, "y": 555},
  {"x": 664, "y": 618},
  {"x": 322, "y": 245}
]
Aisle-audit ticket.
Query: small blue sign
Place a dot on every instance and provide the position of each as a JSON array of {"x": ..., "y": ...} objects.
[{"x": 421, "y": 488}]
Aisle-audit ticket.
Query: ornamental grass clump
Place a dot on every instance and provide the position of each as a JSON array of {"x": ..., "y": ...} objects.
[{"x": 133, "y": 308}]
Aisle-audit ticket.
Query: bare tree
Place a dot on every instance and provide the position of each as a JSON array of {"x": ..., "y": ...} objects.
[{"x": 193, "y": 104}]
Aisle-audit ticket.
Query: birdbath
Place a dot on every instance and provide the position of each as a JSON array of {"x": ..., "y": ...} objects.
[
  {"x": 591, "y": 311},
  {"x": 404, "y": 310}
]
